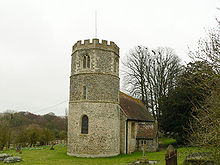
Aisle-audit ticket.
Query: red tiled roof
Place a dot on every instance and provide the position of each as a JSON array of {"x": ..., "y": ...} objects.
[{"x": 134, "y": 109}]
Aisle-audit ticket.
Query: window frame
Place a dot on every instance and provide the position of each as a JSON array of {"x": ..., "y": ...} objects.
[{"x": 86, "y": 61}]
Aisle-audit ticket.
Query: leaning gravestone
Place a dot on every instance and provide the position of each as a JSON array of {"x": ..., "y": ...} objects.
[
  {"x": 12, "y": 159},
  {"x": 3, "y": 156},
  {"x": 171, "y": 156}
]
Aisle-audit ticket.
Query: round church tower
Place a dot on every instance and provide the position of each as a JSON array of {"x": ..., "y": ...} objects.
[{"x": 94, "y": 121}]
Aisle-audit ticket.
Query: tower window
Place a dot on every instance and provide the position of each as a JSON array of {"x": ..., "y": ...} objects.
[
  {"x": 84, "y": 92},
  {"x": 115, "y": 65},
  {"x": 86, "y": 61},
  {"x": 85, "y": 123}
]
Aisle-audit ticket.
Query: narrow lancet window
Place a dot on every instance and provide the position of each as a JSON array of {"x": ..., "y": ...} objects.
[
  {"x": 85, "y": 123},
  {"x": 88, "y": 62},
  {"x": 84, "y": 92},
  {"x": 84, "y": 62}
]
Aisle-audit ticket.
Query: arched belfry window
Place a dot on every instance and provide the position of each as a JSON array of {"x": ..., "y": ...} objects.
[
  {"x": 86, "y": 61},
  {"x": 85, "y": 123}
]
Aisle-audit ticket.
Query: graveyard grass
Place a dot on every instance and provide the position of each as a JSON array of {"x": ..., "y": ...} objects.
[
  {"x": 45, "y": 156},
  {"x": 167, "y": 141}
]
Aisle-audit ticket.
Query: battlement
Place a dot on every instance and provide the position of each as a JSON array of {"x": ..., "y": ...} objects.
[{"x": 95, "y": 44}]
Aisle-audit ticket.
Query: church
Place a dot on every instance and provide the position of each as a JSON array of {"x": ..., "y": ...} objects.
[{"x": 103, "y": 121}]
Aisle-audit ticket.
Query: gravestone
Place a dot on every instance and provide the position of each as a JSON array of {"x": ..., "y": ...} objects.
[
  {"x": 199, "y": 158},
  {"x": 171, "y": 156},
  {"x": 12, "y": 159},
  {"x": 3, "y": 156}
]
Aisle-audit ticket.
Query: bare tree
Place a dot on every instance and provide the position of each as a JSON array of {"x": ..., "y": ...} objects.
[
  {"x": 150, "y": 74},
  {"x": 165, "y": 69},
  {"x": 135, "y": 75},
  {"x": 209, "y": 48}
]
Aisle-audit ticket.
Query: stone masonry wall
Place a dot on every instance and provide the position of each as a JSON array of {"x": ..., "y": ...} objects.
[
  {"x": 151, "y": 145},
  {"x": 152, "y": 142},
  {"x": 122, "y": 132},
  {"x": 101, "y": 62},
  {"x": 131, "y": 141},
  {"x": 103, "y": 138},
  {"x": 100, "y": 87}
]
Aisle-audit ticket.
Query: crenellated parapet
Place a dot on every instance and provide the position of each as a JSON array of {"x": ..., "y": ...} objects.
[{"x": 95, "y": 44}]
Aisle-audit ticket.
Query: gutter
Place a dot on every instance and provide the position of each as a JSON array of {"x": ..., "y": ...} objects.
[{"x": 140, "y": 120}]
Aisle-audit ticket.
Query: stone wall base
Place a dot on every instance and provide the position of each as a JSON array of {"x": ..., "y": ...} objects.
[{"x": 91, "y": 156}]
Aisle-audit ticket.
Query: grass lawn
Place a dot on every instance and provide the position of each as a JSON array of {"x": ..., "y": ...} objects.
[
  {"x": 45, "y": 156},
  {"x": 167, "y": 141}
]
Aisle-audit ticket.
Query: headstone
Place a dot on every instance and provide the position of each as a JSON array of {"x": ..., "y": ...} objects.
[
  {"x": 3, "y": 156},
  {"x": 171, "y": 156},
  {"x": 199, "y": 158},
  {"x": 12, "y": 159},
  {"x": 52, "y": 148}
]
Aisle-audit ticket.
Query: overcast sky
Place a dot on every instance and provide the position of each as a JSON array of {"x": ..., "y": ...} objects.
[{"x": 36, "y": 37}]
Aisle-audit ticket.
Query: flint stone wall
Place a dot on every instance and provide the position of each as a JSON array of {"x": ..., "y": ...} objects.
[
  {"x": 152, "y": 141},
  {"x": 103, "y": 138},
  {"x": 151, "y": 145},
  {"x": 100, "y": 87},
  {"x": 101, "y": 61},
  {"x": 132, "y": 141},
  {"x": 122, "y": 132}
]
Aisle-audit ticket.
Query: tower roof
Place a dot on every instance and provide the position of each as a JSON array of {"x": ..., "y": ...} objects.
[{"x": 134, "y": 109}]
